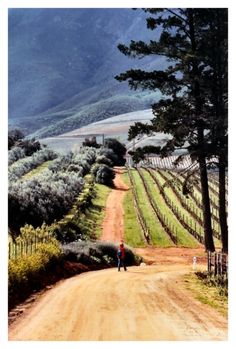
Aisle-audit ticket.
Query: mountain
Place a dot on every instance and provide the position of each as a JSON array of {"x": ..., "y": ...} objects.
[{"x": 62, "y": 64}]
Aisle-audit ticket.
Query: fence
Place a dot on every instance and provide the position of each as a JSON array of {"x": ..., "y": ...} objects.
[
  {"x": 26, "y": 246},
  {"x": 217, "y": 263}
]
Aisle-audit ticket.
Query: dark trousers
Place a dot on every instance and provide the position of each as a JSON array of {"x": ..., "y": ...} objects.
[{"x": 121, "y": 262}]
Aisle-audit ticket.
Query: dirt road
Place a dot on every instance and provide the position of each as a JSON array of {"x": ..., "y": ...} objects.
[
  {"x": 113, "y": 224},
  {"x": 148, "y": 302},
  {"x": 144, "y": 303}
]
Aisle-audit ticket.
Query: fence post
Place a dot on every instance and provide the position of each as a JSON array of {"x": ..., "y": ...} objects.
[
  {"x": 215, "y": 261},
  {"x": 221, "y": 263},
  {"x": 209, "y": 261}
]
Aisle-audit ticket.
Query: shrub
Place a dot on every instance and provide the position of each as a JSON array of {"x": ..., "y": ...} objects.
[
  {"x": 26, "y": 164},
  {"x": 15, "y": 154},
  {"x": 75, "y": 162},
  {"x": 104, "y": 175},
  {"x": 30, "y": 146},
  {"x": 31, "y": 273},
  {"x": 102, "y": 254},
  {"x": 219, "y": 281},
  {"x": 102, "y": 159},
  {"x": 109, "y": 154},
  {"x": 118, "y": 148},
  {"x": 44, "y": 198},
  {"x": 13, "y": 136}
]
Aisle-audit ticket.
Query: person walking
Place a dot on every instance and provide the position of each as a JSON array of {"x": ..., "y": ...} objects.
[{"x": 121, "y": 257}]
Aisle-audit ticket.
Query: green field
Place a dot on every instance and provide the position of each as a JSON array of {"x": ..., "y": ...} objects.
[{"x": 184, "y": 206}]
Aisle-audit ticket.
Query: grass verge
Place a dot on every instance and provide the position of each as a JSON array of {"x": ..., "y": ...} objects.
[
  {"x": 31, "y": 273},
  {"x": 208, "y": 291},
  {"x": 95, "y": 215},
  {"x": 36, "y": 170},
  {"x": 133, "y": 232}
]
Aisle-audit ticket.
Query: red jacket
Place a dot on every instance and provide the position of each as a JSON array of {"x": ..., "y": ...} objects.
[{"x": 122, "y": 249}]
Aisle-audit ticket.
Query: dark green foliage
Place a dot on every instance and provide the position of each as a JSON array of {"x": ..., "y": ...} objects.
[
  {"x": 118, "y": 148},
  {"x": 91, "y": 143},
  {"x": 103, "y": 174},
  {"x": 16, "y": 139},
  {"x": 13, "y": 137},
  {"x": 109, "y": 154},
  {"x": 139, "y": 153},
  {"x": 102, "y": 159},
  {"x": 30, "y": 146}
]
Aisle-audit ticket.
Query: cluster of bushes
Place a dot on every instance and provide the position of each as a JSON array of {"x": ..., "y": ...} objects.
[
  {"x": 19, "y": 146},
  {"x": 14, "y": 136},
  {"x": 118, "y": 149},
  {"x": 15, "y": 154},
  {"x": 45, "y": 197},
  {"x": 97, "y": 254},
  {"x": 75, "y": 162},
  {"x": 51, "y": 194},
  {"x": 103, "y": 174},
  {"x": 23, "y": 166},
  {"x": 22, "y": 149},
  {"x": 33, "y": 272}
]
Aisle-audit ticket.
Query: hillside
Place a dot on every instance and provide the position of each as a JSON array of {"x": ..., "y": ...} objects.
[
  {"x": 116, "y": 127},
  {"x": 62, "y": 64}
]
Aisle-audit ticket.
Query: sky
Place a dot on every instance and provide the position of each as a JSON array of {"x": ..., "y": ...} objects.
[{"x": 4, "y": 5}]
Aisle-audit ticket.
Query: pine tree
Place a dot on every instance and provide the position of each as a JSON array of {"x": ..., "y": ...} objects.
[{"x": 215, "y": 52}]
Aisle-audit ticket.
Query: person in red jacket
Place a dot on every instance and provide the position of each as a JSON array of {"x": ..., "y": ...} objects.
[{"x": 121, "y": 257}]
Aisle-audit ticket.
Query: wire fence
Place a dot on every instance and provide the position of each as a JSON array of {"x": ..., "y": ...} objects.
[
  {"x": 217, "y": 263},
  {"x": 138, "y": 210},
  {"x": 26, "y": 246}
]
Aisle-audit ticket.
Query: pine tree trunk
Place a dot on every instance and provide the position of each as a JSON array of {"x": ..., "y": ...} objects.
[
  {"x": 222, "y": 205},
  {"x": 208, "y": 235}
]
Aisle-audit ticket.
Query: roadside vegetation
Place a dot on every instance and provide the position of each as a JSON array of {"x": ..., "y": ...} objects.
[
  {"x": 56, "y": 201},
  {"x": 209, "y": 290}
]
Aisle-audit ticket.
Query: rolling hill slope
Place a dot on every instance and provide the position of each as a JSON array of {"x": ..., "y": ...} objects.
[{"x": 116, "y": 127}]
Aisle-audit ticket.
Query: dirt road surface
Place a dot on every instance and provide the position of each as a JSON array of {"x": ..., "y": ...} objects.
[
  {"x": 144, "y": 303},
  {"x": 148, "y": 302},
  {"x": 113, "y": 224}
]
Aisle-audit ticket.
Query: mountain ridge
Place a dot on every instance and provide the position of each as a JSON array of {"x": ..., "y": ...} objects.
[{"x": 64, "y": 60}]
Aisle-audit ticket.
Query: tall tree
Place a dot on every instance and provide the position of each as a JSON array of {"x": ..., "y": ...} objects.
[
  {"x": 215, "y": 53},
  {"x": 184, "y": 112}
]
